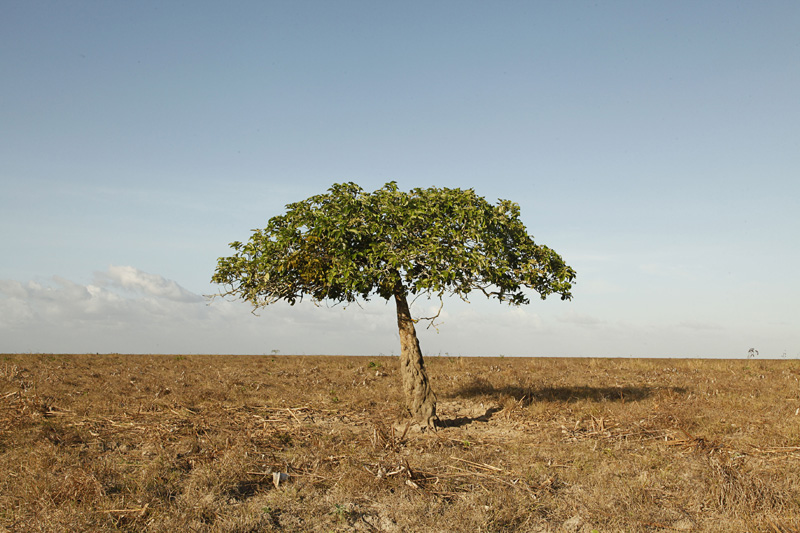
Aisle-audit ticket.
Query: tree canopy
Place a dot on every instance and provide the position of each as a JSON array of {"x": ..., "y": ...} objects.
[{"x": 347, "y": 244}]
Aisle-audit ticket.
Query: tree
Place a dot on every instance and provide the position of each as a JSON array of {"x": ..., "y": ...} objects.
[{"x": 348, "y": 244}]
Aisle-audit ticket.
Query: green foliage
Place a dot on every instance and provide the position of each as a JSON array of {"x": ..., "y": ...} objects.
[
  {"x": 348, "y": 244},
  {"x": 340, "y": 511}
]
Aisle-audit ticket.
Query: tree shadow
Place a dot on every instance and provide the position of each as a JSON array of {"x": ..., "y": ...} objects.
[
  {"x": 461, "y": 421},
  {"x": 528, "y": 395}
]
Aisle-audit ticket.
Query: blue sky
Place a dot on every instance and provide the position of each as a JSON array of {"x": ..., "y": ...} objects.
[{"x": 654, "y": 145}]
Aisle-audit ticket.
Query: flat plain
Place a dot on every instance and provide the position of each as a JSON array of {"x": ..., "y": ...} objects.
[{"x": 167, "y": 443}]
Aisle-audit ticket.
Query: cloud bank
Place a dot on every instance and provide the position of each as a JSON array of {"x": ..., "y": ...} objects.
[{"x": 126, "y": 310}]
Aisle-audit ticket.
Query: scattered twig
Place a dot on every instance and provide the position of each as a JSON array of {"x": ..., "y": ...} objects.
[
  {"x": 774, "y": 526},
  {"x": 477, "y": 465},
  {"x": 776, "y": 449},
  {"x": 405, "y": 431},
  {"x": 294, "y": 415},
  {"x": 304, "y": 408},
  {"x": 489, "y": 476}
]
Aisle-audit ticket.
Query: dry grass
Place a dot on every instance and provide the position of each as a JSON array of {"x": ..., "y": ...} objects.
[{"x": 191, "y": 443}]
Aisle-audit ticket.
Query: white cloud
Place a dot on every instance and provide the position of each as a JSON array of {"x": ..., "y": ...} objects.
[
  {"x": 12, "y": 289},
  {"x": 132, "y": 279},
  {"x": 127, "y": 310},
  {"x": 63, "y": 303}
]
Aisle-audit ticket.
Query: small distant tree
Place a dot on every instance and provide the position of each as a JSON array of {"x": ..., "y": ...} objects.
[{"x": 348, "y": 244}]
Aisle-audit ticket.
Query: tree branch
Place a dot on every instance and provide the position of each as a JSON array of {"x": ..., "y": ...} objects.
[{"x": 431, "y": 319}]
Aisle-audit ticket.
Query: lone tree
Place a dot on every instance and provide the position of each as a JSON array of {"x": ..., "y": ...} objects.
[{"x": 348, "y": 244}]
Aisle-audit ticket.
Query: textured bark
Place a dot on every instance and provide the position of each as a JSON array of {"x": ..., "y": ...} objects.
[{"x": 420, "y": 399}]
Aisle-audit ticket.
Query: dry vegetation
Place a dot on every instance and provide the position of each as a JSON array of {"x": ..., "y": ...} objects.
[{"x": 196, "y": 443}]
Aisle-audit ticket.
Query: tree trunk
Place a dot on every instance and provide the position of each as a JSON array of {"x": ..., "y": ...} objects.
[{"x": 420, "y": 399}]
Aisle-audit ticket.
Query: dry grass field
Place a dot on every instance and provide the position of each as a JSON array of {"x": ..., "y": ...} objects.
[{"x": 200, "y": 443}]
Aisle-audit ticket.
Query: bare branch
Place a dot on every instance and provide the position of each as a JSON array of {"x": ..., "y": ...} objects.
[{"x": 431, "y": 319}]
